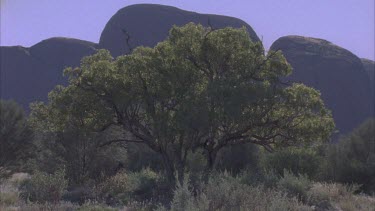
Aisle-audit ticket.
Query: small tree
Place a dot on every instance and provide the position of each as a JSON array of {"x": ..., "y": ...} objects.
[
  {"x": 199, "y": 89},
  {"x": 352, "y": 160},
  {"x": 15, "y": 135}
]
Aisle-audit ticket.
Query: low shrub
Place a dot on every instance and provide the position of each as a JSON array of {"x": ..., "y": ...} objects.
[
  {"x": 352, "y": 160},
  {"x": 335, "y": 196},
  {"x": 305, "y": 161},
  {"x": 224, "y": 192},
  {"x": 297, "y": 186},
  {"x": 43, "y": 187},
  {"x": 8, "y": 198},
  {"x": 124, "y": 187}
]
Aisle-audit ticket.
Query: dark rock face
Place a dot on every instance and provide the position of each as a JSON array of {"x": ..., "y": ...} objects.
[
  {"x": 28, "y": 74},
  {"x": 369, "y": 66},
  {"x": 337, "y": 73},
  {"x": 148, "y": 24}
]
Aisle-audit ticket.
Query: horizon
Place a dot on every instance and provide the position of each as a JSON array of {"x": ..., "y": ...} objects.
[{"x": 270, "y": 19}]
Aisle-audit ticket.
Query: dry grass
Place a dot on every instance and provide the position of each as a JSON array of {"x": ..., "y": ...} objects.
[{"x": 340, "y": 197}]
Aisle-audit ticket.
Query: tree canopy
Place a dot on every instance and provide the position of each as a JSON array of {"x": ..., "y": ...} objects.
[
  {"x": 15, "y": 135},
  {"x": 201, "y": 88}
]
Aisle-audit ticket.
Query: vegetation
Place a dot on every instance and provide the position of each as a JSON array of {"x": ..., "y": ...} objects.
[
  {"x": 199, "y": 89},
  {"x": 15, "y": 136},
  {"x": 202, "y": 121}
]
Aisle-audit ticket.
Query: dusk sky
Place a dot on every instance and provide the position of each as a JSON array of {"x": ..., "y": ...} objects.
[{"x": 347, "y": 23}]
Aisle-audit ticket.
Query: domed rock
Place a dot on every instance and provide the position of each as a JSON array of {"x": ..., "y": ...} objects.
[
  {"x": 369, "y": 66},
  {"x": 337, "y": 73},
  {"x": 28, "y": 74},
  {"x": 61, "y": 50},
  {"x": 148, "y": 24}
]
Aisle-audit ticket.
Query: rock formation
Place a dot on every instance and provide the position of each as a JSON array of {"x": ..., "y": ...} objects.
[
  {"x": 28, "y": 74},
  {"x": 337, "y": 73},
  {"x": 148, "y": 24},
  {"x": 369, "y": 66}
]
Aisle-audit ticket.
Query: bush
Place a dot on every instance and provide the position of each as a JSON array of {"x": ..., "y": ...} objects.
[
  {"x": 332, "y": 196},
  {"x": 224, "y": 192},
  {"x": 123, "y": 188},
  {"x": 237, "y": 158},
  {"x": 352, "y": 160},
  {"x": 43, "y": 187},
  {"x": 305, "y": 161},
  {"x": 297, "y": 186},
  {"x": 8, "y": 198},
  {"x": 77, "y": 151},
  {"x": 15, "y": 137}
]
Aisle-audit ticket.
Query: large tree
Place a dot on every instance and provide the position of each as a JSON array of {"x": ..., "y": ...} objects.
[{"x": 199, "y": 89}]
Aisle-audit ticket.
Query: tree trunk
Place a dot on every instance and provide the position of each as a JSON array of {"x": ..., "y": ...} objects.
[{"x": 168, "y": 167}]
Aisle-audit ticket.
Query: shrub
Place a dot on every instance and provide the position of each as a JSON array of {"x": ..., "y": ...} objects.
[
  {"x": 125, "y": 187},
  {"x": 352, "y": 160},
  {"x": 95, "y": 207},
  {"x": 297, "y": 160},
  {"x": 238, "y": 157},
  {"x": 43, "y": 187},
  {"x": 328, "y": 196},
  {"x": 297, "y": 186},
  {"x": 8, "y": 198},
  {"x": 15, "y": 137},
  {"x": 183, "y": 198},
  {"x": 224, "y": 192}
]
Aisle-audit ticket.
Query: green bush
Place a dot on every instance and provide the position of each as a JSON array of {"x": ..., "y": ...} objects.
[
  {"x": 305, "y": 161},
  {"x": 297, "y": 186},
  {"x": 352, "y": 160},
  {"x": 237, "y": 158},
  {"x": 43, "y": 187},
  {"x": 123, "y": 187}
]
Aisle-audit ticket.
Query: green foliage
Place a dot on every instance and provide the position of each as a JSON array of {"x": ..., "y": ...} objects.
[
  {"x": 297, "y": 186},
  {"x": 140, "y": 156},
  {"x": 123, "y": 188},
  {"x": 77, "y": 150},
  {"x": 95, "y": 207},
  {"x": 43, "y": 187},
  {"x": 352, "y": 160},
  {"x": 300, "y": 160},
  {"x": 15, "y": 136},
  {"x": 199, "y": 89},
  {"x": 238, "y": 157}
]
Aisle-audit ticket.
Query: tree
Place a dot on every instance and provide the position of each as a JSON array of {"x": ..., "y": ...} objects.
[
  {"x": 15, "y": 135},
  {"x": 352, "y": 160},
  {"x": 199, "y": 89}
]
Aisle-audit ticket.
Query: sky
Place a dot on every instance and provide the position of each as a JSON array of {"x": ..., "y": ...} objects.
[{"x": 347, "y": 23}]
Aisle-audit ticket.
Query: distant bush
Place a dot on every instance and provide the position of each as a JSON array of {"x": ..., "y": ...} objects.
[
  {"x": 297, "y": 186},
  {"x": 297, "y": 160},
  {"x": 335, "y": 196},
  {"x": 224, "y": 192},
  {"x": 43, "y": 187},
  {"x": 352, "y": 160},
  {"x": 15, "y": 137},
  {"x": 123, "y": 187},
  {"x": 238, "y": 157}
]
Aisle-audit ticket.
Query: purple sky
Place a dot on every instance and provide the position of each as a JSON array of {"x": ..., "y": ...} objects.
[{"x": 347, "y": 23}]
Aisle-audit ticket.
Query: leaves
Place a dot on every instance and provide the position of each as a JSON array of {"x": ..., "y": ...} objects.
[{"x": 200, "y": 88}]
